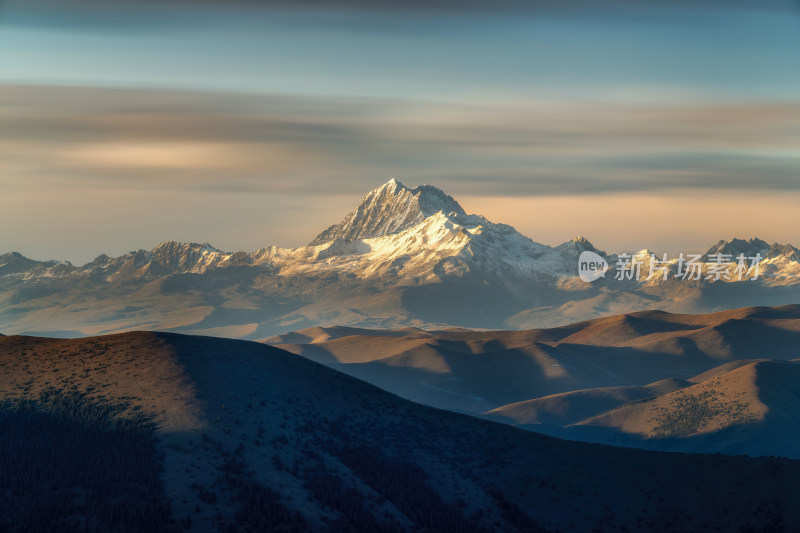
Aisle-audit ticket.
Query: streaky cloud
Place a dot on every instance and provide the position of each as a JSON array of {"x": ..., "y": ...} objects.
[{"x": 122, "y": 138}]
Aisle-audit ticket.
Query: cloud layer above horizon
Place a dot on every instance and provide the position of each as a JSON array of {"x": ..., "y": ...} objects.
[{"x": 182, "y": 140}]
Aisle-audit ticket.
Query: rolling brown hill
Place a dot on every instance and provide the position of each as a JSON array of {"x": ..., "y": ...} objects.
[
  {"x": 477, "y": 371},
  {"x": 207, "y": 434},
  {"x": 749, "y": 408},
  {"x": 570, "y": 408},
  {"x": 557, "y": 380}
]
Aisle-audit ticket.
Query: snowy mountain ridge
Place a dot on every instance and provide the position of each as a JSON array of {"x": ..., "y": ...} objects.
[
  {"x": 414, "y": 235},
  {"x": 403, "y": 257},
  {"x": 391, "y": 208}
]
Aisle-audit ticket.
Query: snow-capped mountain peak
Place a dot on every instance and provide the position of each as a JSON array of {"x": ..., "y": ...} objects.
[
  {"x": 783, "y": 250},
  {"x": 404, "y": 256},
  {"x": 579, "y": 244},
  {"x": 735, "y": 247},
  {"x": 389, "y": 209}
]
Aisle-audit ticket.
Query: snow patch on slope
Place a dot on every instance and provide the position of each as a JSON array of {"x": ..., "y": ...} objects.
[{"x": 389, "y": 209}]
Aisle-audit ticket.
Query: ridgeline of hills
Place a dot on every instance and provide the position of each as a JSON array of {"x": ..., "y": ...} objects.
[
  {"x": 156, "y": 432},
  {"x": 722, "y": 382},
  {"x": 405, "y": 257}
]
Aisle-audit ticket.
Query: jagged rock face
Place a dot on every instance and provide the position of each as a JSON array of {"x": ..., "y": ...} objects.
[
  {"x": 735, "y": 247},
  {"x": 577, "y": 245},
  {"x": 15, "y": 262},
  {"x": 783, "y": 250},
  {"x": 171, "y": 256},
  {"x": 390, "y": 209},
  {"x": 751, "y": 247},
  {"x": 167, "y": 258}
]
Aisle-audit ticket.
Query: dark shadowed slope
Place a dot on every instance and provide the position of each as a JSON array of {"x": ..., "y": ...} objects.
[{"x": 256, "y": 439}]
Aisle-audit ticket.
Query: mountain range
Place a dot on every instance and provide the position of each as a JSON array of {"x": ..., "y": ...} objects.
[{"x": 405, "y": 257}]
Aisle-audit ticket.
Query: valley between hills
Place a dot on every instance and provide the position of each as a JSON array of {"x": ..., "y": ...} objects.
[{"x": 724, "y": 382}]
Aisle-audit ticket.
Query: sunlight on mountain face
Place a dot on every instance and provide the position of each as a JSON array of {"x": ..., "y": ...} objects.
[{"x": 403, "y": 257}]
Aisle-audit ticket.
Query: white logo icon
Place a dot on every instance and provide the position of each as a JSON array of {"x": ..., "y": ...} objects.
[{"x": 591, "y": 266}]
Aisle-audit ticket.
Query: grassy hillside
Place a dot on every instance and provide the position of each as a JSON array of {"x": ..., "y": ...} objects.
[
  {"x": 477, "y": 371},
  {"x": 246, "y": 437}
]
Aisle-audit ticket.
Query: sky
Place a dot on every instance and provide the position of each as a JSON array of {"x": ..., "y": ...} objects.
[{"x": 666, "y": 125}]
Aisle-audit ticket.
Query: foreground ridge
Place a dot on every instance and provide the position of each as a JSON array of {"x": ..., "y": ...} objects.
[{"x": 226, "y": 435}]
